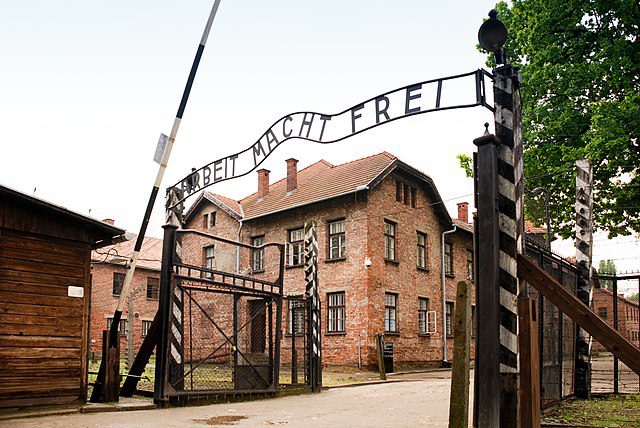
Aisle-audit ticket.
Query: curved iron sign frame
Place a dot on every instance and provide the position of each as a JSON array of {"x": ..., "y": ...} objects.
[{"x": 225, "y": 168}]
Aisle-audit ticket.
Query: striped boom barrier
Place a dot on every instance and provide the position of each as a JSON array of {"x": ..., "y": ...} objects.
[
  {"x": 584, "y": 245},
  {"x": 96, "y": 395},
  {"x": 311, "y": 278},
  {"x": 508, "y": 123}
]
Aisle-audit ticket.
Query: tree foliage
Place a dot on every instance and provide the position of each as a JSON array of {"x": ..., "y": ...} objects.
[
  {"x": 607, "y": 267},
  {"x": 580, "y": 63}
]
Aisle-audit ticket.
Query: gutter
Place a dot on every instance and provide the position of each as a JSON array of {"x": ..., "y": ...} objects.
[{"x": 444, "y": 297}]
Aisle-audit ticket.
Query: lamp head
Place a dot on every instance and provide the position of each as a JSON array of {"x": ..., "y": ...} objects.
[{"x": 492, "y": 35}]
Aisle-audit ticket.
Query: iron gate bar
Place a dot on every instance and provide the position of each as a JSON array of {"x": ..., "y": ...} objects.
[
  {"x": 201, "y": 270},
  {"x": 214, "y": 285},
  {"x": 234, "y": 290},
  {"x": 231, "y": 342},
  {"x": 235, "y": 331}
]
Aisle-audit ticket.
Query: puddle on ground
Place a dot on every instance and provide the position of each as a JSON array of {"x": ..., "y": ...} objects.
[{"x": 220, "y": 420}]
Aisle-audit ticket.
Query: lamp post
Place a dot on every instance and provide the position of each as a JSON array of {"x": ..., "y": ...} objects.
[{"x": 500, "y": 228}]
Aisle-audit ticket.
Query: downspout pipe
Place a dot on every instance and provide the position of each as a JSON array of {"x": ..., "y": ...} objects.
[
  {"x": 444, "y": 297},
  {"x": 238, "y": 248}
]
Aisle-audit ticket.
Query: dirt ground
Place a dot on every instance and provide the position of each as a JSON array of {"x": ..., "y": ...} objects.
[{"x": 417, "y": 400}]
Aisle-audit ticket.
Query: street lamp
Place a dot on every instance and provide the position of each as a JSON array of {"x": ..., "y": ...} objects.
[
  {"x": 492, "y": 35},
  {"x": 538, "y": 191}
]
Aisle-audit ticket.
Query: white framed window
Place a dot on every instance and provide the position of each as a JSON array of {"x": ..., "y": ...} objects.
[
  {"x": 295, "y": 247},
  {"x": 337, "y": 239},
  {"x": 422, "y": 250},
  {"x": 431, "y": 322},
  {"x": 390, "y": 312},
  {"x": 470, "y": 266},
  {"x": 449, "y": 319},
  {"x": 209, "y": 259},
  {"x": 257, "y": 254},
  {"x": 296, "y": 317},
  {"x": 336, "y": 312},
  {"x": 389, "y": 240},
  {"x": 146, "y": 325},
  {"x": 423, "y": 308},
  {"x": 122, "y": 328},
  {"x": 448, "y": 258}
]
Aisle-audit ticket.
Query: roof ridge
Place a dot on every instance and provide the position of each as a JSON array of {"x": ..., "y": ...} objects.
[
  {"x": 383, "y": 153},
  {"x": 285, "y": 177}
]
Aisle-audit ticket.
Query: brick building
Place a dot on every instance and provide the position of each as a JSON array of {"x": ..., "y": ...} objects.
[
  {"x": 108, "y": 269},
  {"x": 628, "y": 315},
  {"x": 380, "y": 230}
]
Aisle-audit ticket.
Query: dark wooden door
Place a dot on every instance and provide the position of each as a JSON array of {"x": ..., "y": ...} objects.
[{"x": 257, "y": 313}]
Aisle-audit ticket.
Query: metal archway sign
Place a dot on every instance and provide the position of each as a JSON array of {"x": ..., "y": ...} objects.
[{"x": 410, "y": 100}]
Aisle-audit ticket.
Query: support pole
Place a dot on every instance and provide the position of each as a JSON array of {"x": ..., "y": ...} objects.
[
  {"x": 311, "y": 277},
  {"x": 487, "y": 374},
  {"x": 124, "y": 293},
  {"x": 584, "y": 243},
  {"x": 615, "y": 326},
  {"x": 164, "y": 303},
  {"x": 459, "y": 399},
  {"x": 379, "y": 338},
  {"x": 508, "y": 123}
]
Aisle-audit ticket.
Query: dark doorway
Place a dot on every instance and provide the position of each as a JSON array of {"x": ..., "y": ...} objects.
[{"x": 257, "y": 314}]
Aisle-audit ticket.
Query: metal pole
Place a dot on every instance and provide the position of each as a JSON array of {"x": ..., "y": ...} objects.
[
  {"x": 615, "y": 325},
  {"x": 117, "y": 315}
]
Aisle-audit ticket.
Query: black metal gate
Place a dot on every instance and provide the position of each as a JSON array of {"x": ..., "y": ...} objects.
[
  {"x": 222, "y": 318},
  {"x": 556, "y": 331}
]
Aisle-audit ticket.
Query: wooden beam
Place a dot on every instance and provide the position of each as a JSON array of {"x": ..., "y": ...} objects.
[
  {"x": 459, "y": 399},
  {"x": 529, "y": 363},
  {"x": 379, "y": 346},
  {"x": 571, "y": 306}
]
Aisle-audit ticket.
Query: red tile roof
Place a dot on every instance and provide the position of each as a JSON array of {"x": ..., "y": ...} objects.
[
  {"x": 150, "y": 254},
  {"x": 321, "y": 181},
  {"x": 318, "y": 182}
]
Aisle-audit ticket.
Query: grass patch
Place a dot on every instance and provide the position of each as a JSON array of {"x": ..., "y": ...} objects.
[{"x": 610, "y": 411}]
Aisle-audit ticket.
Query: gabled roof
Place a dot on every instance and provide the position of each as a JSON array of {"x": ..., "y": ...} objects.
[
  {"x": 321, "y": 181},
  {"x": 318, "y": 182},
  {"x": 120, "y": 254},
  {"x": 228, "y": 205}
]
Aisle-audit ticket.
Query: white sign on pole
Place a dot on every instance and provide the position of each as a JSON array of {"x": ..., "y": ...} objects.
[{"x": 160, "y": 148}]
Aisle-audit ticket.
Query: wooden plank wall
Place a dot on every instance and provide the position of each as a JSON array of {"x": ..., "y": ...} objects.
[{"x": 43, "y": 332}]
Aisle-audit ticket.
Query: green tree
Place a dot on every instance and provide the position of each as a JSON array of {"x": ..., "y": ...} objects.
[
  {"x": 607, "y": 267},
  {"x": 633, "y": 296},
  {"x": 580, "y": 63}
]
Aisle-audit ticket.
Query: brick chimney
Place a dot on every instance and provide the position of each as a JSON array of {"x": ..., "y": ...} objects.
[
  {"x": 292, "y": 174},
  {"x": 463, "y": 211},
  {"x": 263, "y": 182},
  {"x": 109, "y": 221}
]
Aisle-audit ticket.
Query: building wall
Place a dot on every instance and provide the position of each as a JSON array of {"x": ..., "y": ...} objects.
[
  {"x": 364, "y": 287},
  {"x": 628, "y": 314},
  {"x": 104, "y": 303},
  {"x": 405, "y": 278}
]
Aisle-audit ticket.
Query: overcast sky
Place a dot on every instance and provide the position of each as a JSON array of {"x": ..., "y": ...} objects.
[{"x": 86, "y": 88}]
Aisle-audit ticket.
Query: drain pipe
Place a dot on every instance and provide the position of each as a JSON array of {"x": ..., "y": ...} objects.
[
  {"x": 444, "y": 298},
  {"x": 238, "y": 248}
]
